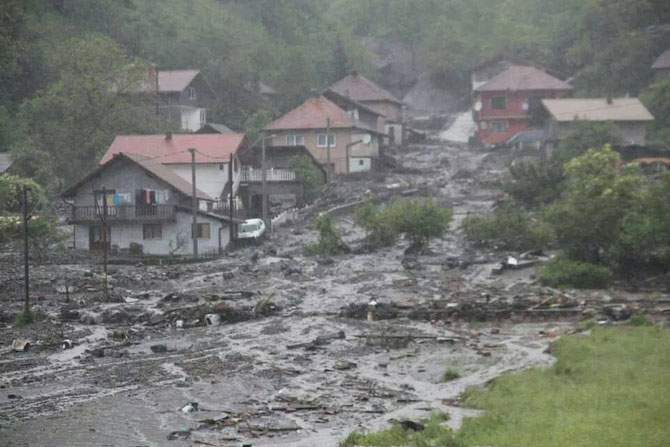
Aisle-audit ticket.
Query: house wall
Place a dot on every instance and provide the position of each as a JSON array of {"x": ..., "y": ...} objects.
[
  {"x": 395, "y": 130},
  {"x": 392, "y": 111},
  {"x": 514, "y": 114},
  {"x": 360, "y": 148},
  {"x": 210, "y": 178},
  {"x": 338, "y": 153},
  {"x": 204, "y": 96},
  {"x": 360, "y": 164},
  {"x": 173, "y": 233},
  {"x": 634, "y": 133},
  {"x": 191, "y": 118},
  {"x": 125, "y": 177}
]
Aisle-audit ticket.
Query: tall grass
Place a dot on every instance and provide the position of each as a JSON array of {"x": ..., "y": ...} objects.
[{"x": 611, "y": 388}]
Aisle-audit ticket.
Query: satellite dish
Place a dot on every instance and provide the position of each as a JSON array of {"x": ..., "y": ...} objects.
[
  {"x": 483, "y": 125},
  {"x": 524, "y": 106},
  {"x": 478, "y": 106}
]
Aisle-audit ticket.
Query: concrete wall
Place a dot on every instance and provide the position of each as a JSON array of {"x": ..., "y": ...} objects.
[
  {"x": 634, "y": 133},
  {"x": 174, "y": 233},
  {"x": 210, "y": 178},
  {"x": 191, "y": 118},
  {"x": 338, "y": 153},
  {"x": 125, "y": 177},
  {"x": 360, "y": 164}
]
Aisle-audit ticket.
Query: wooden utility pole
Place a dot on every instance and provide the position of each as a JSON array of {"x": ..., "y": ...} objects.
[
  {"x": 264, "y": 174},
  {"x": 104, "y": 240},
  {"x": 26, "y": 308},
  {"x": 194, "y": 205},
  {"x": 231, "y": 203},
  {"x": 328, "y": 173}
]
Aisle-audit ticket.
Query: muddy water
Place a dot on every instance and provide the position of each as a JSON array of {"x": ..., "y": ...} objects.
[{"x": 273, "y": 391}]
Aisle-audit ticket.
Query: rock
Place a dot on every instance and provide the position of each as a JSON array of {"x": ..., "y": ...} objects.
[
  {"x": 228, "y": 276},
  {"x": 159, "y": 349},
  {"x": 344, "y": 365},
  {"x": 97, "y": 352},
  {"x": 618, "y": 312},
  {"x": 179, "y": 435}
]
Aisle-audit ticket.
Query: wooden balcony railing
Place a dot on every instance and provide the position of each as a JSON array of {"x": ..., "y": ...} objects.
[
  {"x": 124, "y": 213},
  {"x": 273, "y": 175}
]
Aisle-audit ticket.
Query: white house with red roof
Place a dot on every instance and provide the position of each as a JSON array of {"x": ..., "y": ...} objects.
[
  {"x": 184, "y": 97},
  {"x": 353, "y": 144},
  {"x": 132, "y": 203}
]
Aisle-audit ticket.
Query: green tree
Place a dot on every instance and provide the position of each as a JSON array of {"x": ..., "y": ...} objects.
[
  {"x": 657, "y": 100},
  {"x": 419, "y": 221},
  {"x": 73, "y": 122},
  {"x": 308, "y": 176},
  {"x": 601, "y": 195},
  {"x": 379, "y": 227},
  {"x": 330, "y": 240}
]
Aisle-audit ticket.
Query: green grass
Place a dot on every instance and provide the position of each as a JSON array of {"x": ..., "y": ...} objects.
[
  {"x": 433, "y": 435},
  {"x": 611, "y": 388}
]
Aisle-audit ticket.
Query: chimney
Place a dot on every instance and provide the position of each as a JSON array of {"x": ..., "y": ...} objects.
[{"x": 168, "y": 136}]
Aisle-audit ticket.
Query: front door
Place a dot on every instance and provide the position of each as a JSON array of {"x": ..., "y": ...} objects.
[{"x": 95, "y": 240}]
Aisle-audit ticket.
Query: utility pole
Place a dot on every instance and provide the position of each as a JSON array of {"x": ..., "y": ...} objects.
[
  {"x": 26, "y": 309},
  {"x": 157, "y": 88},
  {"x": 194, "y": 205},
  {"x": 264, "y": 180},
  {"x": 104, "y": 239},
  {"x": 328, "y": 174},
  {"x": 231, "y": 203}
]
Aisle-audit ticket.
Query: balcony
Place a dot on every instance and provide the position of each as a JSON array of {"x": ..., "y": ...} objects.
[
  {"x": 273, "y": 175},
  {"x": 124, "y": 213}
]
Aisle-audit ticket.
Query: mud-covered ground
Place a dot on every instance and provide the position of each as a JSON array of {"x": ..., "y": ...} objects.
[{"x": 294, "y": 361}]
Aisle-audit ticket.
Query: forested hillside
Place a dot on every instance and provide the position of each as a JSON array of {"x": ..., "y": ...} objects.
[{"x": 58, "y": 57}]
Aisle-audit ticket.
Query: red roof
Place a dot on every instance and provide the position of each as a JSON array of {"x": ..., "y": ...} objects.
[
  {"x": 663, "y": 61},
  {"x": 313, "y": 114},
  {"x": 360, "y": 88},
  {"x": 175, "y": 80},
  {"x": 211, "y": 148},
  {"x": 523, "y": 78}
]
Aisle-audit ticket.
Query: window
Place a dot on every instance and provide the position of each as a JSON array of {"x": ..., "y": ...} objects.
[
  {"x": 321, "y": 140},
  {"x": 295, "y": 140},
  {"x": 191, "y": 93},
  {"x": 499, "y": 126},
  {"x": 499, "y": 103},
  {"x": 361, "y": 162},
  {"x": 221, "y": 165},
  {"x": 152, "y": 231},
  {"x": 203, "y": 117},
  {"x": 203, "y": 231}
]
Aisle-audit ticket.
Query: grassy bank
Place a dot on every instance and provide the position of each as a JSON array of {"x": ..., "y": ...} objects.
[{"x": 611, "y": 388}]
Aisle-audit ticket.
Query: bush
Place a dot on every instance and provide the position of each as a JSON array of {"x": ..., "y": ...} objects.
[
  {"x": 308, "y": 176},
  {"x": 23, "y": 318},
  {"x": 450, "y": 374},
  {"x": 379, "y": 228},
  {"x": 330, "y": 241},
  {"x": 562, "y": 272},
  {"x": 639, "y": 320},
  {"x": 509, "y": 228},
  {"x": 433, "y": 434},
  {"x": 419, "y": 221}
]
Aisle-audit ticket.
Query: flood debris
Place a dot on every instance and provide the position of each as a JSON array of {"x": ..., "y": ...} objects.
[{"x": 20, "y": 345}]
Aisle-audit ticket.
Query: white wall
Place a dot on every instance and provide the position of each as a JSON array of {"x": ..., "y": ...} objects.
[
  {"x": 123, "y": 234},
  {"x": 359, "y": 164},
  {"x": 210, "y": 178},
  {"x": 190, "y": 118}
]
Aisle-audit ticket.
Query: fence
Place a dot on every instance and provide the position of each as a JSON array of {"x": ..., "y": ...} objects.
[{"x": 272, "y": 175}]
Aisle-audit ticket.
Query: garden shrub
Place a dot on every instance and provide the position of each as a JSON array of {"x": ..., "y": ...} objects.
[
  {"x": 330, "y": 241},
  {"x": 562, "y": 272}
]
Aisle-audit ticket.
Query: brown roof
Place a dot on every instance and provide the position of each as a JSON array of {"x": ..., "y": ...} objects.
[
  {"x": 523, "y": 78},
  {"x": 211, "y": 148},
  {"x": 662, "y": 61},
  {"x": 313, "y": 114},
  {"x": 337, "y": 98},
  {"x": 597, "y": 109},
  {"x": 359, "y": 88},
  {"x": 175, "y": 80},
  {"x": 155, "y": 169}
]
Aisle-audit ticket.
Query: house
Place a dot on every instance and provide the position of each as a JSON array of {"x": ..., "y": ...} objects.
[
  {"x": 507, "y": 103},
  {"x": 628, "y": 114},
  {"x": 661, "y": 67},
  {"x": 184, "y": 97},
  {"x": 213, "y": 154},
  {"x": 353, "y": 145},
  {"x": 484, "y": 72},
  {"x": 146, "y": 207},
  {"x": 264, "y": 91},
  {"x": 369, "y": 117},
  {"x": 5, "y": 162},
  {"x": 281, "y": 183},
  {"x": 362, "y": 90}
]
